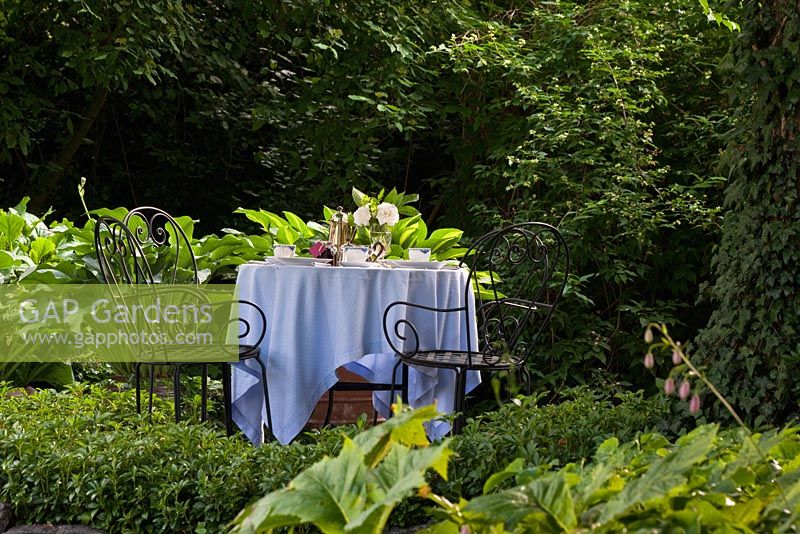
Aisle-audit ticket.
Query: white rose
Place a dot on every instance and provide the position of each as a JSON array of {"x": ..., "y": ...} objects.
[
  {"x": 362, "y": 216},
  {"x": 388, "y": 214}
]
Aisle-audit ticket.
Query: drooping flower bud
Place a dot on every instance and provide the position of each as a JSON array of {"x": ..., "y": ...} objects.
[
  {"x": 648, "y": 336},
  {"x": 669, "y": 386},
  {"x": 676, "y": 357},
  {"x": 649, "y": 360},
  {"x": 684, "y": 390},
  {"x": 694, "y": 404}
]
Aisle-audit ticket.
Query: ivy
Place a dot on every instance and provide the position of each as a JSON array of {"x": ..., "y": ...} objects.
[{"x": 751, "y": 343}]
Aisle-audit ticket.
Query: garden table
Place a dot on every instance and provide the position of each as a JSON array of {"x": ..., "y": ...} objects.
[{"x": 320, "y": 318}]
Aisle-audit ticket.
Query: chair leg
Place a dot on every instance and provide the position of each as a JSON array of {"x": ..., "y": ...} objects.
[
  {"x": 527, "y": 377},
  {"x": 151, "y": 369},
  {"x": 176, "y": 392},
  {"x": 459, "y": 401},
  {"x": 204, "y": 393},
  {"x": 137, "y": 382},
  {"x": 394, "y": 381},
  {"x": 329, "y": 409},
  {"x": 266, "y": 393},
  {"x": 226, "y": 396},
  {"x": 404, "y": 385}
]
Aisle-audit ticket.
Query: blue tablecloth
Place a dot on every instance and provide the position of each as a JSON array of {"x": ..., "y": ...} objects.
[{"x": 321, "y": 318}]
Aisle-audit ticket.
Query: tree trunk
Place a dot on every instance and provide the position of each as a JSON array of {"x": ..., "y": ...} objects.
[{"x": 51, "y": 180}]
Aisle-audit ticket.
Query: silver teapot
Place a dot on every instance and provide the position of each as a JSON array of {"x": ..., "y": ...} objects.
[{"x": 339, "y": 234}]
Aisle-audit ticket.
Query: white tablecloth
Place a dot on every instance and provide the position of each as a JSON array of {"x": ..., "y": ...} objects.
[{"x": 322, "y": 318}]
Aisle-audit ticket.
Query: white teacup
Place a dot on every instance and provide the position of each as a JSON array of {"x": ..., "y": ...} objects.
[
  {"x": 419, "y": 254},
  {"x": 283, "y": 251},
  {"x": 356, "y": 253}
]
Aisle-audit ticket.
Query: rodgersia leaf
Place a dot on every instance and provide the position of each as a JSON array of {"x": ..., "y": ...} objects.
[
  {"x": 328, "y": 494},
  {"x": 663, "y": 474}
]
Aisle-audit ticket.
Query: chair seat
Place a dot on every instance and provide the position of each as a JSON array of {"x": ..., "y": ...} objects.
[
  {"x": 463, "y": 359},
  {"x": 247, "y": 351},
  {"x": 185, "y": 354}
]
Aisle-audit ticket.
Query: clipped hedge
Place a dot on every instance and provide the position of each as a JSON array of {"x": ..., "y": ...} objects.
[
  {"x": 83, "y": 455},
  {"x": 553, "y": 434}
]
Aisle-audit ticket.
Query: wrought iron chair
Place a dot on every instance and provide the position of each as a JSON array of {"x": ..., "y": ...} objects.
[
  {"x": 517, "y": 275},
  {"x": 149, "y": 247}
]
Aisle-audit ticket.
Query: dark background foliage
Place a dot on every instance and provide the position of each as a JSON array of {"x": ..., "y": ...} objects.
[
  {"x": 604, "y": 118},
  {"x": 751, "y": 344}
]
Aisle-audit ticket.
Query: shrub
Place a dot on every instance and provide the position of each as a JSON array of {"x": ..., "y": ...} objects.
[
  {"x": 84, "y": 456},
  {"x": 706, "y": 481},
  {"x": 553, "y": 434}
]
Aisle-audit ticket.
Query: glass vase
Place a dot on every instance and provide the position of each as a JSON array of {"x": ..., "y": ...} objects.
[{"x": 381, "y": 241}]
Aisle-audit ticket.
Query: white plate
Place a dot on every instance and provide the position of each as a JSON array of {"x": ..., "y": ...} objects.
[
  {"x": 418, "y": 264},
  {"x": 297, "y": 260},
  {"x": 361, "y": 264}
]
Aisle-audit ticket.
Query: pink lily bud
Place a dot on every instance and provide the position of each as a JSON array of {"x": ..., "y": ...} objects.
[
  {"x": 648, "y": 336},
  {"x": 676, "y": 357},
  {"x": 669, "y": 386},
  {"x": 694, "y": 404},
  {"x": 649, "y": 360},
  {"x": 685, "y": 389}
]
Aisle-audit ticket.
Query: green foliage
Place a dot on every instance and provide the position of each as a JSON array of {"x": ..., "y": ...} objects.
[
  {"x": 410, "y": 231},
  {"x": 84, "y": 456},
  {"x": 577, "y": 114},
  {"x": 543, "y": 434},
  {"x": 707, "y": 480},
  {"x": 357, "y": 490},
  {"x": 61, "y": 61},
  {"x": 750, "y": 348},
  {"x": 566, "y": 112}
]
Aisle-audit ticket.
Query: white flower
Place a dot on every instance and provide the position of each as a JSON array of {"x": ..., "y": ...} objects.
[
  {"x": 362, "y": 216},
  {"x": 388, "y": 214}
]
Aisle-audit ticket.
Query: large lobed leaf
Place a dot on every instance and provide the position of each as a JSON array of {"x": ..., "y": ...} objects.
[{"x": 356, "y": 491}]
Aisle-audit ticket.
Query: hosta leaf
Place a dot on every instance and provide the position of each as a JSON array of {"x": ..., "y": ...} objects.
[
  {"x": 45, "y": 276},
  {"x": 409, "y": 237},
  {"x": 287, "y": 235},
  {"x": 117, "y": 213},
  {"x": 6, "y": 260},
  {"x": 442, "y": 239},
  {"x": 316, "y": 227},
  {"x": 11, "y": 226},
  {"x": 359, "y": 198},
  {"x": 262, "y": 217},
  {"x": 41, "y": 249},
  {"x": 451, "y": 254},
  {"x": 298, "y": 224}
]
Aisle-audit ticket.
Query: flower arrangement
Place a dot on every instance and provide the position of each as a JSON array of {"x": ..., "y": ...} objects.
[
  {"x": 372, "y": 213},
  {"x": 378, "y": 215}
]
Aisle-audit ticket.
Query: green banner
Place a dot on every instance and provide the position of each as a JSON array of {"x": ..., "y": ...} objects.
[{"x": 132, "y": 323}]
